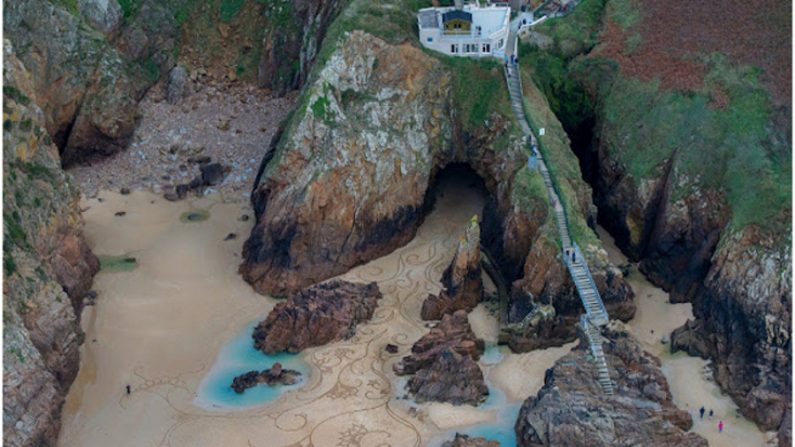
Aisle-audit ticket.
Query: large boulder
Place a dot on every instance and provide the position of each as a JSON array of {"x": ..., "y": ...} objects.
[
  {"x": 462, "y": 279},
  {"x": 317, "y": 315},
  {"x": 572, "y": 409}
]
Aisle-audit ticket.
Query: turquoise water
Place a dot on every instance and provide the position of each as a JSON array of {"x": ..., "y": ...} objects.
[{"x": 238, "y": 357}]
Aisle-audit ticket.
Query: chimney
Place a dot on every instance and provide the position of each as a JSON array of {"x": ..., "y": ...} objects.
[{"x": 459, "y": 4}]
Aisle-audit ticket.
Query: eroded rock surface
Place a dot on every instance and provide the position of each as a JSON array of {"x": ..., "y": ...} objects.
[
  {"x": 572, "y": 409},
  {"x": 275, "y": 375},
  {"x": 444, "y": 363},
  {"x": 467, "y": 441},
  {"x": 48, "y": 268},
  {"x": 317, "y": 315},
  {"x": 462, "y": 279}
]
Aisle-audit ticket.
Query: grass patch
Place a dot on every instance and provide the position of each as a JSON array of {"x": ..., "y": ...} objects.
[
  {"x": 478, "y": 89},
  {"x": 229, "y": 9},
  {"x": 113, "y": 264},
  {"x": 735, "y": 149}
]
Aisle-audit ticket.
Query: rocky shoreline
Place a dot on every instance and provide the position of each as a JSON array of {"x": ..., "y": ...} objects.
[{"x": 275, "y": 375}]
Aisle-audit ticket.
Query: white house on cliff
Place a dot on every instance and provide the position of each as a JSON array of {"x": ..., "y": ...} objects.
[{"x": 465, "y": 29}]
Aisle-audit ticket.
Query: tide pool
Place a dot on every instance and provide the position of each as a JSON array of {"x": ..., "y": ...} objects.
[{"x": 237, "y": 357}]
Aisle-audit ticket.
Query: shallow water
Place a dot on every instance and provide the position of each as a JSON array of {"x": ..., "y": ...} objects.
[
  {"x": 689, "y": 378},
  {"x": 237, "y": 357}
]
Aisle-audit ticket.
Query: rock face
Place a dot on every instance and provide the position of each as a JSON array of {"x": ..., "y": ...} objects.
[
  {"x": 462, "y": 280},
  {"x": 48, "y": 268},
  {"x": 467, "y": 441},
  {"x": 742, "y": 323},
  {"x": 343, "y": 187},
  {"x": 378, "y": 124},
  {"x": 299, "y": 42},
  {"x": 273, "y": 376},
  {"x": 452, "y": 378},
  {"x": 444, "y": 363},
  {"x": 92, "y": 63},
  {"x": 571, "y": 408},
  {"x": 317, "y": 315},
  {"x": 87, "y": 83}
]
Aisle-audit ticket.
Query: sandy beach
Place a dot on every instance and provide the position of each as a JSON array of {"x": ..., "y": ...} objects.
[
  {"x": 160, "y": 327},
  {"x": 689, "y": 377}
]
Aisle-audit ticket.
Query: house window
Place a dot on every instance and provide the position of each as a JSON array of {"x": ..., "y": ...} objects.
[
  {"x": 486, "y": 48},
  {"x": 454, "y": 48},
  {"x": 430, "y": 39},
  {"x": 500, "y": 44}
]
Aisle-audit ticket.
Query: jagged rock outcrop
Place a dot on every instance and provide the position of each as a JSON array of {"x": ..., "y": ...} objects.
[
  {"x": 541, "y": 328},
  {"x": 743, "y": 323},
  {"x": 87, "y": 83},
  {"x": 453, "y": 378},
  {"x": 377, "y": 124},
  {"x": 444, "y": 363},
  {"x": 572, "y": 409},
  {"x": 289, "y": 49},
  {"x": 317, "y": 315},
  {"x": 462, "y": 280},
  {"x": 275, "y": 375},
  {"x": 48, "y": 268},
  {"x": 347, "y": 183},
  {"x": 93, "y": 61},
  {"x": 467, "y": 441},
  {"x": 701, "y": 201}
]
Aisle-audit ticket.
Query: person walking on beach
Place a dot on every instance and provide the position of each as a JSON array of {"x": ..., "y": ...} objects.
[
  {"x": 701, "y": 412},
  {"x": 720, "y": 427},
  {"x": 128, "y": 390},
  {"x": 711, "y": 413}
]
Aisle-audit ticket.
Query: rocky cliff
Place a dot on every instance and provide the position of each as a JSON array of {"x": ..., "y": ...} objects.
[
  {"x": 47, "y": 268},
  {"x": 92, "y": 61},
  {"x": 352, "y": 175},
  {"x": 683, "y": 132},
  {"x": 572, "y": 409}
]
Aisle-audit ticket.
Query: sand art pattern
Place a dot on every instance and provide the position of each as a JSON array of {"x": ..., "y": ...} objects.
[{"x": 349, "y": 398}]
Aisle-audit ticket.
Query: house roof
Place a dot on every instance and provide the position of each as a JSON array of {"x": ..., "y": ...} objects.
[
  {"x": 457, "y": 14},
  {"x": 429, "y": 18}
]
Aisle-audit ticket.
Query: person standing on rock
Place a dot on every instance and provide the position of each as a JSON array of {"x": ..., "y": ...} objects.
[
  {"x": 720, "y": 427},
  {"x": 701, "y": 412}
]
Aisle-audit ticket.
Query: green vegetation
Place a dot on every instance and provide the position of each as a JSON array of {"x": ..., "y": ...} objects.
[
  {"x": 479, "y": 89},
  {"x": 563, "y": 165},
  {"x": 229, "y": 8},
  {"x": 320, "y": 109},
  {"x": 129, "y": 8},
  {"x": 151, "y": 69},
  {"x": 112, "y": 264},
  {"x": 16, "y": 95},
  {"x": 625, "y": 13},
  {"x": 732, "y": 149},
  {"x": 70, "y": 5},
  {"x": 572, "y": 35}
]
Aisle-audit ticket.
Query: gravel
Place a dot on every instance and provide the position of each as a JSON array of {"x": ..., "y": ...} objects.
[{"x": 230, "y": 123}]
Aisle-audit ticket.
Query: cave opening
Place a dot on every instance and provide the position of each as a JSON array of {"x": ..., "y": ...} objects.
[{"x": 460, "y": 186}]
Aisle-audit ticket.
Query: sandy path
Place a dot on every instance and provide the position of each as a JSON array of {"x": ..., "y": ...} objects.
[
  {"x": 689, "y": 377},
  {"x": 160, "y": 327}
]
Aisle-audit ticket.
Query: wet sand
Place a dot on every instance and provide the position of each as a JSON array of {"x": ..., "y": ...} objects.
[
  {"x": 689, "y": 377},
  {"x": 160, "y": 328}
]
